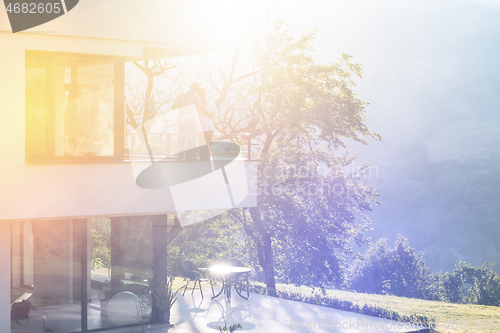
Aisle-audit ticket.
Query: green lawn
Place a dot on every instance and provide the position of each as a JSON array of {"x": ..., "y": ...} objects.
[
  {"x": 467, "y": 315},
  {"x": 179, "y": 283}
]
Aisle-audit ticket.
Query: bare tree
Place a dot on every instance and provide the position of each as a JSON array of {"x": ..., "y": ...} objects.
[{"x": 146, "y": 100}]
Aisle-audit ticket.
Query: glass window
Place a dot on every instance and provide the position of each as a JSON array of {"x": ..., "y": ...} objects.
[
  {"x": 36, "y": 110},
  {"x": 121, "y": 272},
  {"x": 46, "y": 271},
  {"x": 84, "y": 110},
  {"x": 73, "y": 107},
  {"x": 55, "y": 262}
]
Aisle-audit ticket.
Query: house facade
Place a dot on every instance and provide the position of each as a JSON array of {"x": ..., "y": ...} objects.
[{"x": 69, "y": 181}]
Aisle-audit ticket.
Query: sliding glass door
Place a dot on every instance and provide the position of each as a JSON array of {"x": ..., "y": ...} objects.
[
  {"x": 109, "y": 260},
  {"x": 46, "y": 271}
]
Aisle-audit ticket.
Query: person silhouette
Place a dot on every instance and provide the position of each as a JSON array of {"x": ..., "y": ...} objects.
[
  {"x": 207, "y": 124},
  {"x": 189, "y": 105}
]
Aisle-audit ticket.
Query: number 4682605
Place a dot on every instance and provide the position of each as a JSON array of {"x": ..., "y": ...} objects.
[{"x": 34, "y": 8}]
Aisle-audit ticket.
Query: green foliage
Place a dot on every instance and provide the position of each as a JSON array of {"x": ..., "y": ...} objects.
[
  {"x": 164, "y": 296},
  {"x": 100, "y": 242},
  {"x": 399, "y": 271},
  {"x": 402, "y": 272},
  {"x": 210, "y": 242},
  {"x": 231, "y": 328},
  {"x": 472, "y": 285},
  {"x": 132, "y": 241},
  {"x": 299, "y": 114},
  {"x": 135, "y": 241},
  {"x": 302, "y": 113},
  {"x": 313, "y": 216}
]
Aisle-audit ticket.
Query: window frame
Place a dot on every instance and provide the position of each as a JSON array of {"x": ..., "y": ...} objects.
[{"x": 75, "y": 59}]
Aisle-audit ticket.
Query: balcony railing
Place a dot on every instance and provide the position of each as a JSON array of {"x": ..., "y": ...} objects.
[{"x": 164, "y": 146}]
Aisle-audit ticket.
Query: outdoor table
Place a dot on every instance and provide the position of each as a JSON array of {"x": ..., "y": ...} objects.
[{"x": 227, "y": 273}]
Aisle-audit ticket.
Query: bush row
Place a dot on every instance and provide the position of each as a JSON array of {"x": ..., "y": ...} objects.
[{"x": 335, "y": 303}]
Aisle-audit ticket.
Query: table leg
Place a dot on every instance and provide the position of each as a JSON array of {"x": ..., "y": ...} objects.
[
  {"x": 222, "y": 289},
  {"x": 240, "y": 293}
]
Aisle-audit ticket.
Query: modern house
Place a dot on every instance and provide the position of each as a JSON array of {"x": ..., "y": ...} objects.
[{"x": 69, "y": 182}]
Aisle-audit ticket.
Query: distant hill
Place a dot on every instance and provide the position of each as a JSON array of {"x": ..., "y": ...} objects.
[{"x": 432, "y": 78}]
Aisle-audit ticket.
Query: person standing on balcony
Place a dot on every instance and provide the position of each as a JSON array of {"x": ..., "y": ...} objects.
[
  {"x": 187, "y": 121},
  {"x": 207, "y": 124}
]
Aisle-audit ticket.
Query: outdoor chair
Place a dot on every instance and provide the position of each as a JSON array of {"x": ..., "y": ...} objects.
[
  {"x": 194, "y": 275},
  {"x": 238, "y": 277}
]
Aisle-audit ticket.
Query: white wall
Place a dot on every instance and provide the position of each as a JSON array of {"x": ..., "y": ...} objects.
[
  {"x": 186, "y": 22},
  {"x": 86, "y": 190}
]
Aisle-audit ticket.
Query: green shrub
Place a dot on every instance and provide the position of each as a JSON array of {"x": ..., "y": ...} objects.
[
  {"x": 472, "y": 285},
  {"x": 399, "y": 271}
]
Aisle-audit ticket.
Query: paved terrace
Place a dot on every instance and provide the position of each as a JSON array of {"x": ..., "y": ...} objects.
[{"x": 265, "y": 314}]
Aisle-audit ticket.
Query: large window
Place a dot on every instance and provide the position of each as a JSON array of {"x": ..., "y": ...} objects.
[
  {"x": 110, "y": 261},
  {"x": 121, "y": 272},
  {"x": 47, "y": 271},
  {"x": 74, "y": 107}
]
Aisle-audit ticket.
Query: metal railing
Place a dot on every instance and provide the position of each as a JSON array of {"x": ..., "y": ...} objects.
[{"x": 164, "y": 144}]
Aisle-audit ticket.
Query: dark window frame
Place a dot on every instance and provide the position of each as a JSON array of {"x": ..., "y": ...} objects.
[
  {"x": 47, "y": 58},
  {"x": 21, "y": 271}
]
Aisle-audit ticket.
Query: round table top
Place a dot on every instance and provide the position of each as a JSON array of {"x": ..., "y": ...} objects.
[{"x": 226, "y": 269}]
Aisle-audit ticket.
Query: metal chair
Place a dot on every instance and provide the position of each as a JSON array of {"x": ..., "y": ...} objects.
[
  {"x": 236, "y": 277},
  {"x": 194, "y": 275}
]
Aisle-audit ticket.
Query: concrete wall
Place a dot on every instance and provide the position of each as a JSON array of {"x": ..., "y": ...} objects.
[{"x": 174, "y": 22}]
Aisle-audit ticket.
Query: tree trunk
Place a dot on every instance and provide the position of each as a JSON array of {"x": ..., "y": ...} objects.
[
  {"x": 269, "y": 266},
  {"x": 265, "y": 252}
]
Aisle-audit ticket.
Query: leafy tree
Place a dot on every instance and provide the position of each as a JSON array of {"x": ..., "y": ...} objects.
[
  {"x": 369, "y": 273},
  {"x": 100, "y": 242},
  {"x": 208, "y": 243},
  {"x": 399, "y": 271},
  {"x": 475, "y": 285},
  {"x": 299, "y": 114}
]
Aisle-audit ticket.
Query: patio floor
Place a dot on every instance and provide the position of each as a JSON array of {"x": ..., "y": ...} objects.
[
  {"x": 258, "y": 314},
  {"x": 263, "y": 314}
]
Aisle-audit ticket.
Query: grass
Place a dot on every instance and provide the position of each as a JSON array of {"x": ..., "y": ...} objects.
[
  {"x": 449, "y": 315},
  {"x": 180, "y": 282}
]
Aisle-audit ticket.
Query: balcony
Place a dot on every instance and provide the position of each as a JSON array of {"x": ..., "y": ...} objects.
[
  {"x": 226, "y": 180},
  {"x": 165, "y": 146}
]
